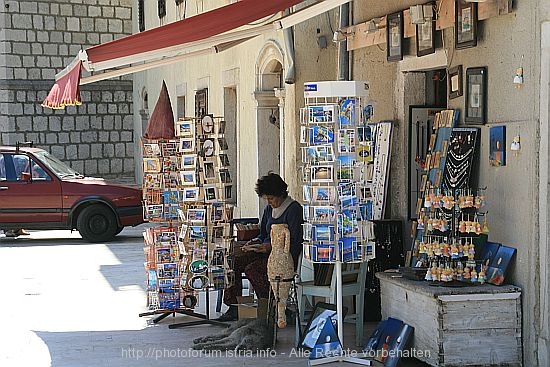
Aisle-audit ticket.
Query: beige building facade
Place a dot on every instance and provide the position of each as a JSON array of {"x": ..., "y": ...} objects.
[{"x": 246, "y": 85}]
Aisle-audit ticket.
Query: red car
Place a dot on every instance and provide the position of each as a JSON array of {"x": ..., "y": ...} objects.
[{"x": 38, "y": 191}]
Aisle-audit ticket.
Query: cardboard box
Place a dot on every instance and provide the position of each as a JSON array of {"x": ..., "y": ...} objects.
[{"x": 249, "y": 308}]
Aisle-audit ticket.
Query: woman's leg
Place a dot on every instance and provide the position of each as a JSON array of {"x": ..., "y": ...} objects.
[
  {"x": 256, "y": 272},
  {"x": 240, "y": 263}
]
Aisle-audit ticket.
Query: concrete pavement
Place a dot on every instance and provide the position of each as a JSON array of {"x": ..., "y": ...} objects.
[{"x": 66, "y": 302}]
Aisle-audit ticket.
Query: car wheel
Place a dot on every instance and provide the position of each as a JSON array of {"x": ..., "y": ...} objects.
[
  {"x": 119, "y": 229},
  {"x": 97, "y": 223}
]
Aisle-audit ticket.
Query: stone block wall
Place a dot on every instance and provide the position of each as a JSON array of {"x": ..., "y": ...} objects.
[{"x": 37, "y": 40}]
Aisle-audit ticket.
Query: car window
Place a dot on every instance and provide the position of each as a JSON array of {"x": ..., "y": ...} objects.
[
  {"x": 2, "y": 168},
  {"x": 38, "y": 173},
  {"x": 21, "y": 164}
]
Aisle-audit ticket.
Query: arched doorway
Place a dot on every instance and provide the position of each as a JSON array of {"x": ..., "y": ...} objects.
[{"x": 269, "y": 71}]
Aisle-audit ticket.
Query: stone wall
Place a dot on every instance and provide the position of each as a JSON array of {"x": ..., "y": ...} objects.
[{"x": 37, "y": 40}]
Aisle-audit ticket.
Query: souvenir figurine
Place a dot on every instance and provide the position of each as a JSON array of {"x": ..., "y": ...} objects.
[
  {"x": 471, "y": 251},
  {"x": 434, "y": 272},
  {"x": 420, "y": 223},
  {"x": 462, "y": 226},
  {"x": 428, "y": 274},
  {"x": 485, "y": 225},
  {"x": 446, "y": 250},
  {"x": 481, "y": 278},
  {"x": 466, "y": 275},
  {"x": 454, "y": 251},
  {"x": 473, "y": 276}
]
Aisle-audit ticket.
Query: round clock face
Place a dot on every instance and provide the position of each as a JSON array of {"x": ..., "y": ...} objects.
[
  {"x": 208, "y": 148},
  {"x": 207, "y": 124}
]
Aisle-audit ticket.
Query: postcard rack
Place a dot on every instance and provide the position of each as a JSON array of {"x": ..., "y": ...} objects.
[
  {"x": 187, "y": 189},
  {"x": 345, "y": 160}
]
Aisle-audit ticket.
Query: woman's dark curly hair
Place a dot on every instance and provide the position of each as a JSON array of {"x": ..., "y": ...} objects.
[{"x": 272, "y": 184}]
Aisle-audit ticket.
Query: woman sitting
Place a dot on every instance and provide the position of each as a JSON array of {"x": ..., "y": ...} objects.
[{"x": 252, "y": 261}]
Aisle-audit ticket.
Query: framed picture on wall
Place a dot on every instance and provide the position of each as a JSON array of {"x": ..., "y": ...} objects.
[
  {"x": 465, "y": 24},
  {"x": 476, "y": 95},
  {"x": 455, "y": 81},
  {"x": 394, "y": 36},
  {"x": 425, "y": 37}
]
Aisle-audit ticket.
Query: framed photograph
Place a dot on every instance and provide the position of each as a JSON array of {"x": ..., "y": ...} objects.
[
  {"x": 207, "y": 148},
  {"x": 187, "y": 145},
  {"x": 185, "y": 128},
  {"x": 151, "y": 165},
  {"x": 187, "y": 178},
  {"x": 191, "y": 194},
  {"x": 425, "y": 37},
  {"x": 454, "y": 75},
  {"x": 221, "y": 127},
  {"x": 225, "y": 177},
  {"x": 394, "y": 37},
  {"x": 322, "y": 174},
  {"x": 322, "y": 114},
  {"x": 210, "y": 193},
  {"x": 465, "y": 24},
  {"x": 226, "y": 192},
  {"x": 207, "y": 124},
  {"x": 223, "y": 160},
  {"x": 223, "y": 144},
  {"x": 188, "y": 162},
  {"x": 476, "y": 95},
  {"x": 209, "y": 172}
]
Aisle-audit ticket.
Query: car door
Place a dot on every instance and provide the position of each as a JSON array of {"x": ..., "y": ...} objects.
[{"x": 32, "y": 202}]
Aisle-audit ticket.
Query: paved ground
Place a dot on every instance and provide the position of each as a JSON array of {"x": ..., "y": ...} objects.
[{"x": 69, "y": 303}]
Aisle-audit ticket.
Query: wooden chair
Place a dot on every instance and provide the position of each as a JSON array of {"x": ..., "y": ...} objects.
[{"x": 354, "y": 277}]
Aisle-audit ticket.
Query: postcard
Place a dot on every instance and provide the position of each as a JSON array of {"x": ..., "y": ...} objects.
[
  {"x": 318, "y": 154},
  {"x": 209, "y": 171},
  {"x": 322, "y": 114},
  {"x": 365, "y": 133},
  {"x": 216, "y": 213},
  {"x": 349, "y": 250},
  {"x": 170, "y": 164},
  {"x": 225, "y": 177},
  {"x": 306, "y": 192},
  {"x": 322, "y": 174},
  {"x": 347, "y": 222},
  {"x": 307, "y": 231},
  {"x": 169, "y": 148},
  {"x": 346, "y": 141},
  {"x": 323, "y": 252},
  {"x": 347, "y": 111},
  {"x": 220, "y": 127},
  {"x": 196, "y": 215},
  {"x": 171, "y": 197},
  {"x": 323, "y": 213},
  {"x": 324, "y": 194},
  {"x": 364, "y": 153},
  {"x": 171, "y": 211},
  {"x": 151, "y": 150},
  {"x": 321, "y": 134},
  {"x": 345, "y": 167},
  {"x": 153, "y": 181},
  {"x": 323, "y": 232}
]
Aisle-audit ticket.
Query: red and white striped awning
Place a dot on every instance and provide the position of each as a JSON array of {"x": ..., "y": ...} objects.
[{"x": 205, "y": 33}]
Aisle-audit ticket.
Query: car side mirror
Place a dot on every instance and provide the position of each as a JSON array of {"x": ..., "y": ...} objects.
[{"x": 26, "y": 176}]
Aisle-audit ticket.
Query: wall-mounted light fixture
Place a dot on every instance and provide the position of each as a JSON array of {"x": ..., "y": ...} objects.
[
  {"x": 421, "y": 13},
  {"x": 341, "y": 36}
]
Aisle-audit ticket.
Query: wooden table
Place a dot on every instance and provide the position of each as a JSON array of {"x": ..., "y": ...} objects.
[{"x": 467, "y": 326}]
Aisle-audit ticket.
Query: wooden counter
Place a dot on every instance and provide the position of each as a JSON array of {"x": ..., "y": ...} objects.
[{"x": 467, "y": 326}]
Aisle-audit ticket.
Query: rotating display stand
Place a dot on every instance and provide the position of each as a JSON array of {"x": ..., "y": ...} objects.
[
  {"x": 187, "y": 190},
  {"x": 345, "y": 162}
]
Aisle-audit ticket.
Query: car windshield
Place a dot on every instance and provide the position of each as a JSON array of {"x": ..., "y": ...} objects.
[{"x": 60, "y": 169}]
